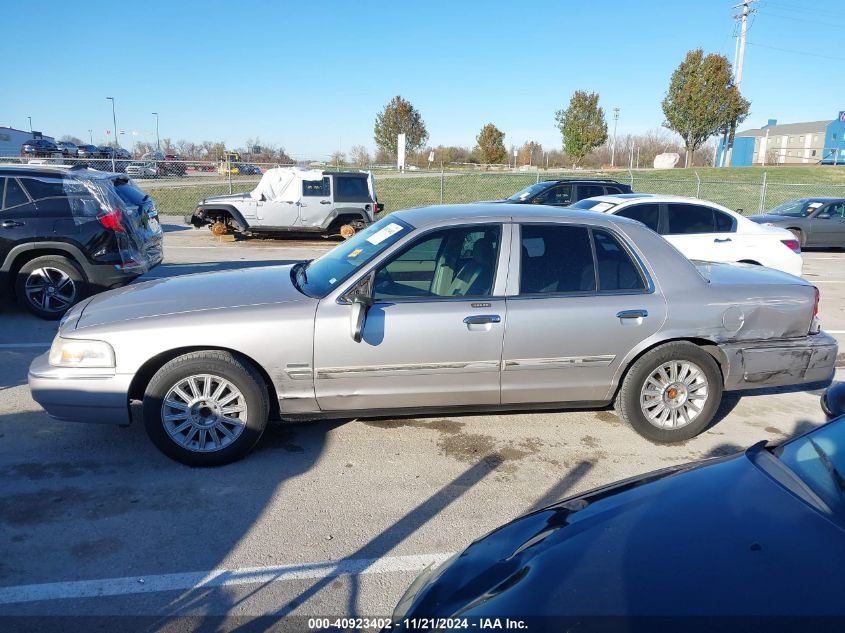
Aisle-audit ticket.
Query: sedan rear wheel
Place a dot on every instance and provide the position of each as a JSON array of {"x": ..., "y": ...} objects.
[
  {"x": 671, "y": 393},
  {"x": 206, "y": 408}
]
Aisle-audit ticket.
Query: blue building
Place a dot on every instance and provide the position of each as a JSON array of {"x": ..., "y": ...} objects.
[{"x": 813, "y": 143}]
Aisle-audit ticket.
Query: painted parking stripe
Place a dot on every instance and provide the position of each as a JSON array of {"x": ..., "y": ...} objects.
[{"x": 216, "y": 578}]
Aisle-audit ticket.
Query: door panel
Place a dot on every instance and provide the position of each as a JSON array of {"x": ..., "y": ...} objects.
[
  {"x": 316, "y": 202},
  {"x": 19, "y": 220},
  {"x": 828, "y": 231}
]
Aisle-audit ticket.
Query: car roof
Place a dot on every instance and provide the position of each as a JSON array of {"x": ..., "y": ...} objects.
[
  {"x": 586, "y": 180},
  {"x": 503, "y": 212}
]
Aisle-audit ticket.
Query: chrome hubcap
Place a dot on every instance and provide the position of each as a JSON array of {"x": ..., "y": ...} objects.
[
  {"x": 204, "y": 413},
  {"x": 50, "y": 289},
  {"x": 674, "y": 394}
]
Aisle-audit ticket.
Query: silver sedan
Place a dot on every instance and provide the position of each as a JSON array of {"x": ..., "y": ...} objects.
[{"x": 441, "y": 309}]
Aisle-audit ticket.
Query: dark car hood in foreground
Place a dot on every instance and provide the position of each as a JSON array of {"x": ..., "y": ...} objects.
[
  {"x": 717, "y": 538},
  {"x": 189, "y": 293}
]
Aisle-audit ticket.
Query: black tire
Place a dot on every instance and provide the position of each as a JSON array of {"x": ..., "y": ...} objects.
[
  {"x": 214, "y": 364},
  {"x": 60, "y": 271},
  {"x": 646, "y": 368}
]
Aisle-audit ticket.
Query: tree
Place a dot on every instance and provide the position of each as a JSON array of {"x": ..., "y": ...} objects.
[
  {"x": 337, "y": 158},
  {"x": 582, "y": 125},
  {"x": 531, "y": 153},
  {"x": 490, "y": 145},
  {"x": 69, "y": 138},
  {"x": 399, "y": 117},
  {"x": 702, "y": 99},
  {"x": 360, "y": 156}
]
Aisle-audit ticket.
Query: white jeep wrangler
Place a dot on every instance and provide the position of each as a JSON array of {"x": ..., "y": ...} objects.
[{"x": 293, "y": 200}]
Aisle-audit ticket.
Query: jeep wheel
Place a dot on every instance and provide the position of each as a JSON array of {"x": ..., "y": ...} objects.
[{"x": 49, "y": 286}]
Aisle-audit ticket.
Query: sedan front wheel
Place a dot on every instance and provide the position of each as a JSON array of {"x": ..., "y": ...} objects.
[
  {"x": 206, "y": 408},
  {"x": 671, "y": 393}
]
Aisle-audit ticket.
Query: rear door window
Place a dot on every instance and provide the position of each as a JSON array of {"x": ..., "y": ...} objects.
[
  {"x": 556, "y": 258},
  {"x": 589, "y": 191},
  {"x": 317, "y": 188},
  {"x": 15, "y": 194},
  {"x": 689, "y": 219},
  {"x": 724, "y": 222},
  {"x": 648, "y": 214},
  {"x": 44, "y": 188}
]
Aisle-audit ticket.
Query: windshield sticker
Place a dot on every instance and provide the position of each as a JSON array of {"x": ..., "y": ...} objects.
[
  {"x": 333, "y": 281},
  {"x": 381, "y": 235},
  {"x": 601, "y": 206},
  {"x": 355, "y": 253},
  {"x": 814, "y": 205}
]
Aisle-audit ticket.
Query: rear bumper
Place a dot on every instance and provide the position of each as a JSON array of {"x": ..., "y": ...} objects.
[
  {"x": 79, "y": 395},
  {"x": 777, "y": 363}
]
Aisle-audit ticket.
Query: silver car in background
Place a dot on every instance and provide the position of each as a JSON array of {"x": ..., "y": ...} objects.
[{"x": 440, "y": 309}]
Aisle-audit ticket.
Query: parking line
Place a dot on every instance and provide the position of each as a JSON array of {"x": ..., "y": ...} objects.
[{"x": 130, "y": 585}]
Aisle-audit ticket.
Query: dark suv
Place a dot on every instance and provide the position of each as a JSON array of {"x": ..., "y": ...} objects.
[
  {"x": 68, "y": 232},
  {"x": 39, "y": 147},
  {"x": 562, "y": 193}
]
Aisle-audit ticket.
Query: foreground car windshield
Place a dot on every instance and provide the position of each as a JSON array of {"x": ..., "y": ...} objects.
[
  {"x": 818, "y": 458},
  {"x": 529, "y": 191},
  {"x": 323, "y": 274},
  {"x": 794, "y": 209}
]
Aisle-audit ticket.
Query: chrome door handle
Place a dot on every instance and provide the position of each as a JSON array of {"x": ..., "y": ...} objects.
[
  {"x": 325, "y": 201},
  {"x": 482, "y": 319},
  {"x": 718, "y": 241},
  {"x": 8, "y": 224},
  {"x": 632, "y": 314}
]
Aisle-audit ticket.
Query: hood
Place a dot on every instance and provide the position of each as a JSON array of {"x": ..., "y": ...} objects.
[
  {"x": 500, "y": 201},
  {"x": 191, "y": 293},
  {"x": 774, "y": 219},
  {"x": 717, "y": 537},
  {"x": 228, "y": 197}
]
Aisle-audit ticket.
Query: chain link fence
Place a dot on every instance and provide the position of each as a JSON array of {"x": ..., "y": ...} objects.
[{"x": 178, "y": 185}]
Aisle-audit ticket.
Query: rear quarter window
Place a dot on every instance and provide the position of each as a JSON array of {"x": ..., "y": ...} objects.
[
  {"x": 15, "y": 195},
  {"x": 351, "y": 189},
  {"x": 39, "y": 189}
]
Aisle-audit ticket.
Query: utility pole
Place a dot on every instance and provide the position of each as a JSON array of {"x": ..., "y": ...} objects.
[
  {"x": 30, "y": 125},
  {"x": 114, "y": 122},
  {"x": 91, "y": 136},
  {"x": 613, "y": 145},
  {"x": 740, "y": 58},
  {"x": 158, "y": 140}
]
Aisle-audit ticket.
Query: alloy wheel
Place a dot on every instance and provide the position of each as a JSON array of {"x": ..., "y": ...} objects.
[
  {"x": 204, "y": 413},
  {"x": 674, "y": 394},
  {"x": 50, "y": 289}
]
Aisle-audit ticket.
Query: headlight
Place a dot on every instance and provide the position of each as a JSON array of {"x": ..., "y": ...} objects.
[{"x": 66, "y": 352}]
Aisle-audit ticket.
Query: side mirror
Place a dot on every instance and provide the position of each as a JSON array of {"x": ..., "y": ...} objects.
[
  {"x": 823, "y": 216},
  {"x": 358, "y": 316},
  {"x": 263, "y": 198}
]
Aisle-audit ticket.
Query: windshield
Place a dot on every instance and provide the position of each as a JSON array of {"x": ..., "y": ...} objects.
[
  {"x": 794, "y": 208},
  {"x": 590, "y": 204},
  {"x": 818, "y": 458},
  {"x": 530, "y": 191},
  {"x": 322, "y": 275}
]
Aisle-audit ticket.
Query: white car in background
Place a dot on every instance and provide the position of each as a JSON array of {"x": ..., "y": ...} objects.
[{"x": 704, "y": 230}]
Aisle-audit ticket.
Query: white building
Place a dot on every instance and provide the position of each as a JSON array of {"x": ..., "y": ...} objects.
[{"x": 12, "y": 139}]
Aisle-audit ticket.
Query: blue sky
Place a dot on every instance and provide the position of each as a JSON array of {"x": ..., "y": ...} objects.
[{"x": 312, "y": 76}]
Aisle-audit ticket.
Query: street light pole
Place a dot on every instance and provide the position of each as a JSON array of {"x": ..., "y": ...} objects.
[
  {"x": 91, "y": 136},
  {"x": 30, "y": 125},
  {"x": 613, "y": 146},
  {"x": 158, "y": 141},
  {"x": 114, "y": 122}
]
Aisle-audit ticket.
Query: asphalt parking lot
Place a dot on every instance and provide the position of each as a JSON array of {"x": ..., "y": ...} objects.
[{"x": 329, "y": 518}]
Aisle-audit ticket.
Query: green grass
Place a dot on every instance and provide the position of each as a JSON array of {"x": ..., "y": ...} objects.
[{"x": 738, "y": 188}]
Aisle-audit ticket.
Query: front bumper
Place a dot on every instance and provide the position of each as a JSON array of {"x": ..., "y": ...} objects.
[
  {"x": 96, "y": 396},
  {"x": 777, "y": 363}
]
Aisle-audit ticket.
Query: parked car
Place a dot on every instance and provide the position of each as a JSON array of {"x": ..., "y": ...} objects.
[
  {"x": 563, "y": 192},
  {"x": 36, "y": 147},
  {"x": 449, "y": 308},
  {"x": 88, "y": 151},
  {"x": 173, "y": 166},
  {"x": 142, "y": 169},
  {"x": 68, "y": 149},
  {"x": 288, "y": 200},
  {"x": 813, "y": 221},
  {"x": 704, "y": 230},
  {"x": 708, "y": 542},
  {"x": 248, "y": 169},
  {"x": 68, "y": 232}
]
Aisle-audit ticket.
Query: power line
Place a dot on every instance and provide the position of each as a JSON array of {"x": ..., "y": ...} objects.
[
  {"x": 805, "y": 10},
  {"x": 792, "y": 18},
  {"x": 789, "y": 50}
]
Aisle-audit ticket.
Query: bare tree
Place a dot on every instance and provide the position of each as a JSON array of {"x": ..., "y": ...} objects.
[{"x": 360, "y": 156}]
